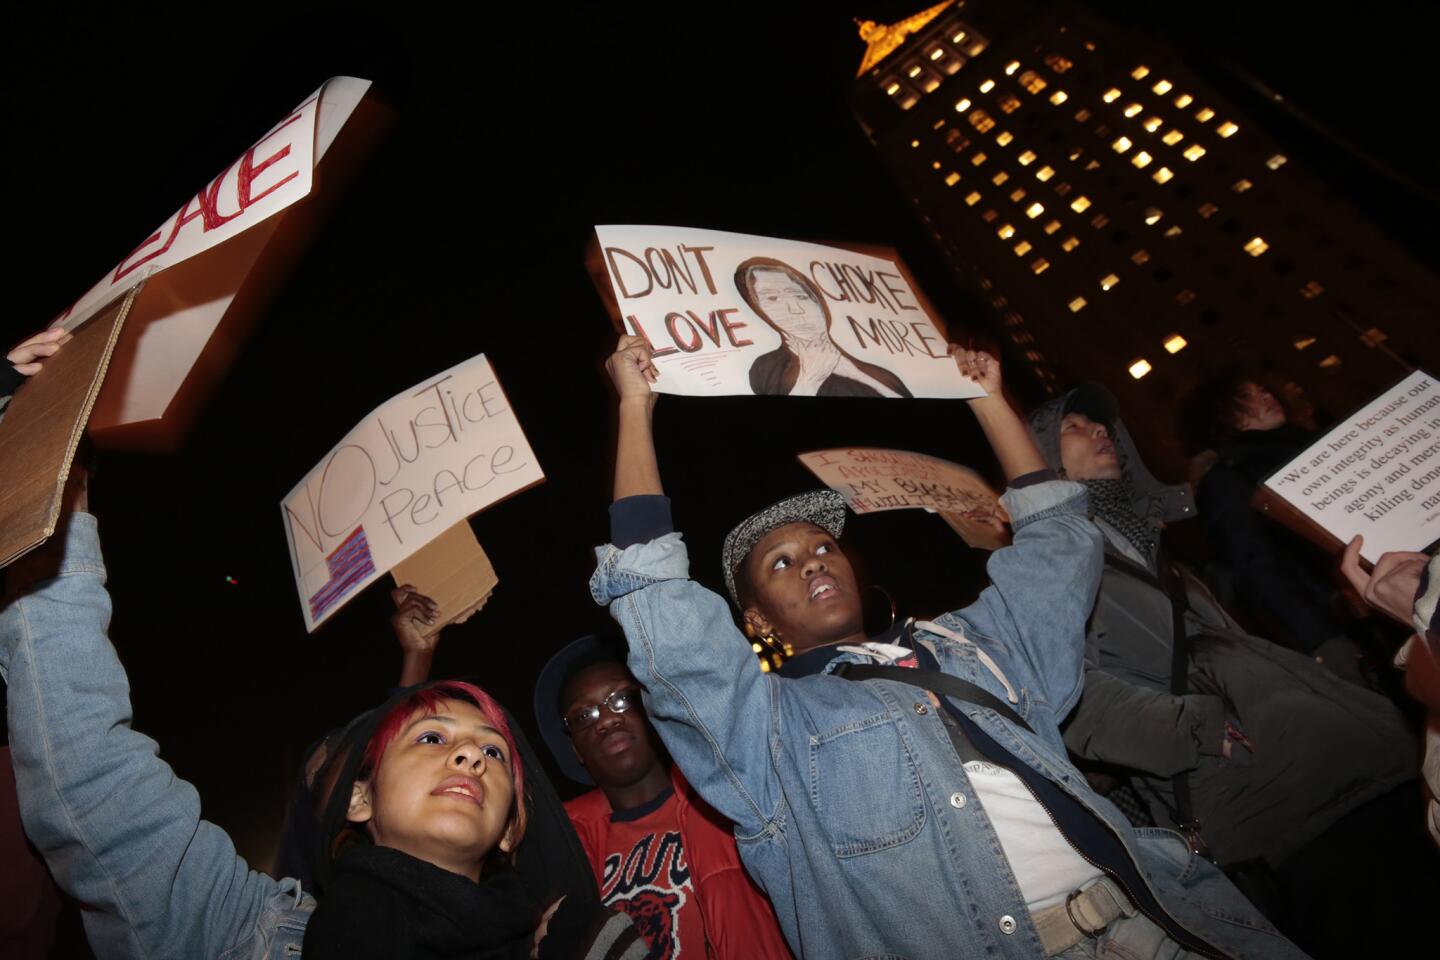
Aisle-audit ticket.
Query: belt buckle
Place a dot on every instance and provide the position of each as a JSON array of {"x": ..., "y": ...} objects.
[{"x": 1070, "y": 912}]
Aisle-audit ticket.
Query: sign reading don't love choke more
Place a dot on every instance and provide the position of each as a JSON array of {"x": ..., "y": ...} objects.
[
  {"x": 727, "y": 313},
  {"x": 418, "y": 464}
]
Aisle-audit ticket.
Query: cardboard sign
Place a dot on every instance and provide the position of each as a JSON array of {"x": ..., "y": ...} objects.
[
  {"x": 273, "y": 173},
  {"x": 1376, "y": 474},
  {"x": 730, "y": 314},
  {"x": 417, "y": 465},
  {"x": 216, "y": 263},
  {"x": 872, "y": 480},
  {"x": 42, "y": 427},
  {"x": 452, "y": 570}
]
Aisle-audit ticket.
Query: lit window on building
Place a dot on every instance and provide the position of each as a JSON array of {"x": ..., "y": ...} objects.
[
  {"x": 1185, "y": 297},
  {"x": 1140, "y": 72},
  {"x": 1241, "y": 185},
  {"x": 1139, "y": 368},
  {"x": 894, "y": 88},
  {"x": 977, "y": 158},
  {"x": 1121, "y": 144},
  {"x": 1058, "y": 63},
  {"x": 1077, "y": 304},
  {"x": 1256, "y": 246},
  {"x": 937, "y": 54},
  {"x": 1111, "y": 95},
  {"x": 1175, "y": 343},
  {"x": 1194, "y": 152},
  {"x": 1059, "y": 97},
  {"x": 1152, "y": 124},
  {"x": 987, "y": 85},
  {"x": 1108, "y": 281},
  {"x": 1330, "y": 362},
  {"x": 1040, "y": 265},
  {"x": 1302, "y": 342},
  {"x": 1034, "y": 210},
  {"x": 1184, "y": 100},
  {"x": 1093, "y": 165},
  {"x": 1207, "y": 210},
  {"x": 1172, "y": 137},
  {"x": 938, "y": 124},
  {"x": 972, "y": 198},
  {"x": 1163, "y": 175},
  {"x": 1022, "y": 248},
  {"x": 989, "y": 216},
  {"x": 1141, "y": 159},
  {"x": 914, "y": 143},
  {"x": 1062, "y": 189},
  {"x": 1140, "y": 258},
  {"x": 1153, "y": 215},
  {"x": 914, "y": 71},
  {"x": 1227, "y": 129},
  {"x": 956, "y": 139},
  {"x": 1312, "y": 289},
  {"x": 962, "y": 104},
  {"x": 935, "y": 165},
  {"x": 1026, "y": 158},
  {"x": 1204, "y": 114},
  {"x": 1373, "y": 337},
  {"x": 1163, "y": 87},
  {"x": 977, "y": 48},
  {"x": 1080, "y": 204},
  {"x": 1003, "y": 138},
  {"x": 1044, "y": 173},
  {"x": 1052, "y": 226},
  {"x": 1009, "y": 103},
  {"x": 958, "y": 37},
  {"x": 952, "y": 178},
  {"x": 1082, "y": 115},
  {"x": 1172, "y": 232},
  {"x": 1033, "y": 82},
  {"x": 1276, "y": 162},
  {"x": 1000, "y": 178},
  {"x": 1006, "y": 231},
  {"x": 1011, "y": 67},
  {"x": 1100, "y": 221},
  {"x": 1017, "y": 194},
  {"x": 982, "y": 121},
  {"x": 1069, "y": 243},
  {"x": 1133, "y": 109}
]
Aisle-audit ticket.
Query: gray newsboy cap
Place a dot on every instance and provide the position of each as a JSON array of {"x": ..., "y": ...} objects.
[{"x": 824, "y": 508}]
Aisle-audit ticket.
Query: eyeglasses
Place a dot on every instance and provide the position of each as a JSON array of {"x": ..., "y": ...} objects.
[{"x": 587, "y": 716}]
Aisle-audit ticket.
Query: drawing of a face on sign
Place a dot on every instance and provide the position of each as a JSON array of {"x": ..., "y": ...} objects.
[{"x": 808, "y": 362}]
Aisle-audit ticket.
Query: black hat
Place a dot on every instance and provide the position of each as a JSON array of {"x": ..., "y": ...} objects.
[{"x": 571, "y": 659}]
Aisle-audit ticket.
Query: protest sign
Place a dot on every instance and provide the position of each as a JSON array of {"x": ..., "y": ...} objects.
[
  {"x": 872, "y": 480},
  {"x": 417, "y": 465},
  {"x": 452, "y": 570},
  {"x": 1376, "y": 474},
  {"x": 727, "y": 313},
  {"x": 43, "y": 426}
]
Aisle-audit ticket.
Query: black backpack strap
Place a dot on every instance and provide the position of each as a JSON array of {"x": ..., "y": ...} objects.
[{"x": 941, "y": 684}]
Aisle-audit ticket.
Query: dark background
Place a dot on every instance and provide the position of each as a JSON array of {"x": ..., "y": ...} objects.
[{"x": 519, "y": 128}]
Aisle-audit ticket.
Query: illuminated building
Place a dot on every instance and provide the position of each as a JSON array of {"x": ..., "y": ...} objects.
[{"x": 1119, "y": 220}]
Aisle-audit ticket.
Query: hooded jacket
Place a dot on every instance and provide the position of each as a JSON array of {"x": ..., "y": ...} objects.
[{"x": 1321, "y": 746}]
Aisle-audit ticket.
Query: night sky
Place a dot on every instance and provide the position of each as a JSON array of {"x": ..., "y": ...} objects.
[{"x": 465, "y": 234}]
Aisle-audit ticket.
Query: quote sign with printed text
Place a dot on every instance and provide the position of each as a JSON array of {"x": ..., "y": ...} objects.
[
  {"x": 1376, "y": 474},
  {"x": 417, "y": 465},
  {"x": 727, "y": 314}
]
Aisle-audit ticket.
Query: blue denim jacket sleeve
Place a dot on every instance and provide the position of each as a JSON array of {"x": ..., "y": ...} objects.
[
  {"x": 121, "y": 833},
  {"x": 1043, "y": 586},
  {"x": 715, "y": 710}
]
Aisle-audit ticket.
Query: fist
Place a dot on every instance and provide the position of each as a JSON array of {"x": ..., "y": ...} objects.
[
  {"x": 632, "y": 368},
  {"x": 979, "y": 366}
]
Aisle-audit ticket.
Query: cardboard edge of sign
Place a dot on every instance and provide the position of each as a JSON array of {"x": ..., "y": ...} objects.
[
  {"x": 254, "y": 265},
  {"x": 594, "y": 259},
  {"x": 43, "y": 427}
]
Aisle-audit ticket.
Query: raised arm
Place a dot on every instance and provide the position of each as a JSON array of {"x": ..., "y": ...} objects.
[
  {"x": 121, "y": 833},
  {"x": 637, "y": 471},
  {"x": 1010, "y": 439}
]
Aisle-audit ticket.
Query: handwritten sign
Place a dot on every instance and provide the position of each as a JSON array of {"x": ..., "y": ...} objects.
[
  {"x": 1376, "y": 474},
  {"x": 728, "y": 313},
  {"x": 272, "y": 174},
  {"x": 871, "y": 480},
  {"x": 417, "y": 465}
]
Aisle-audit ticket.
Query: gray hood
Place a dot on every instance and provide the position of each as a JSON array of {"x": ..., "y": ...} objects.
[{"x": 1167, "y": 502}]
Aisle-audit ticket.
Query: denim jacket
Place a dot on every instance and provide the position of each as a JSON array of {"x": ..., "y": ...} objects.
[
  {"x": 121, "y": 833},
  {"x": 851, "y": 808}
]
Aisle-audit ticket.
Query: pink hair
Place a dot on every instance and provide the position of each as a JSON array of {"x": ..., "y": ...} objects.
[{"x": 429, "y": 700}]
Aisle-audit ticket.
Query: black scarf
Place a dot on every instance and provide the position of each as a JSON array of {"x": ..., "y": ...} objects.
[
  {"x": 384, "y": 903},
  {"x": 1114, "y": 502}
]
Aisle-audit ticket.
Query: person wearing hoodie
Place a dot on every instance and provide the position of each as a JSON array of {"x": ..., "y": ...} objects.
[
  {"x": 1288, "y": 775},
  {"x": 660, "y": 853}
]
